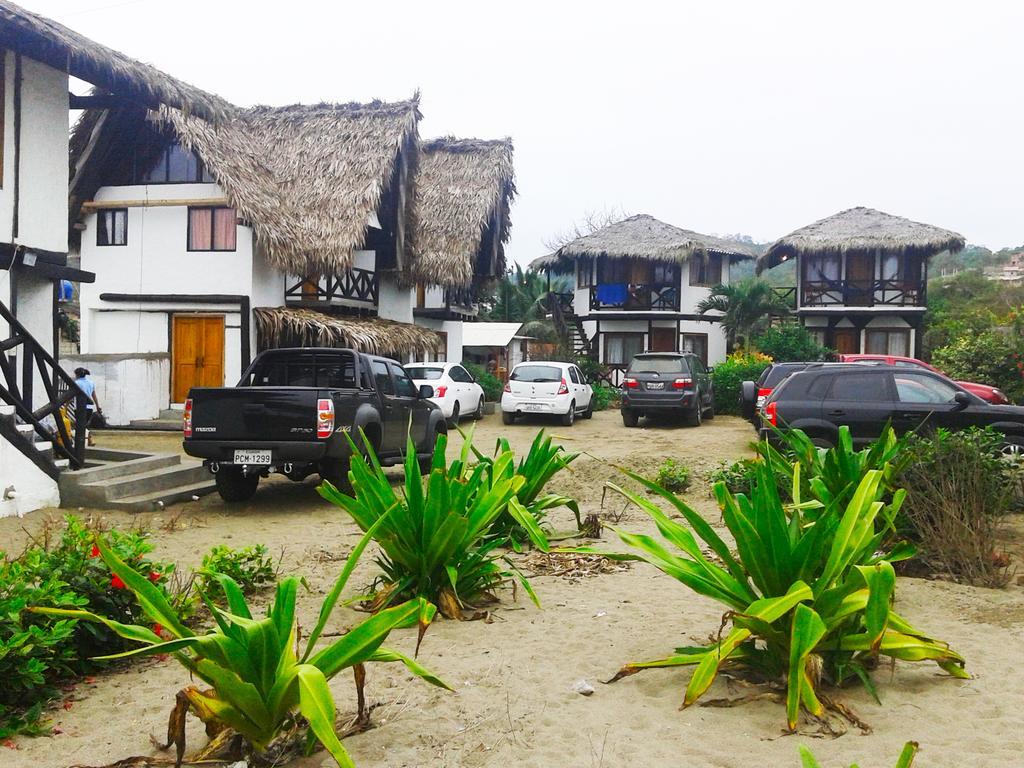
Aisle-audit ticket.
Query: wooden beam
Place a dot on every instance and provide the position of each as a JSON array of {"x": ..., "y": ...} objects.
[{"x": 95, "y": 205}]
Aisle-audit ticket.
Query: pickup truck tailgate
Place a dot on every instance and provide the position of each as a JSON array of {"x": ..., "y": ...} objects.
[{"x": 260, "y": 414}]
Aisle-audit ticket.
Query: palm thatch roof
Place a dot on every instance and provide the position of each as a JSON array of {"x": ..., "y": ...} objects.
[
  {"x": 642, "y": 237},
  {"x": 463, "y": 192},
  {"x": 307, "y": 178},
  {"x": 288, "y": 326},
  {"x": 861, "y": 230},
  {"x": 64, "y": 49}
]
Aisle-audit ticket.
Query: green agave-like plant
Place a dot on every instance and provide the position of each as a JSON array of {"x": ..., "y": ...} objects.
[
  {"x": 434, "y": 535},
  {"x": 259, "y": 679},
  {"x": 808, "y": 590},
  {"x": 906, "y": 758}
]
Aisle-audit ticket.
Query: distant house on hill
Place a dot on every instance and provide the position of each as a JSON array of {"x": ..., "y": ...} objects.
[
  {"x": 1012, "y": 271},
  {"x": 300, "y": 225},
  {"x": 862, "y": 278},
  {"x": 637, "y": 286}
]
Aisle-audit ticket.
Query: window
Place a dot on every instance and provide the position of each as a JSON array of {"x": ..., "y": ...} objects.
[
  {"x": 620, "y": 348},
  {"x": 818, "y": 387},
  {"x": 862, "y": 387},
  {"x": 818, "y": 334},
  {"x": 176, "y": 165},
  {"x": 460, "y": 374},
  {"x": 891, "y": 266},
  {"x": 658, "y": 364},
  {"x": 706, "y": 270},
  {"x": 382, "y": 377},
  {"x": 425, "y": 372},
  {"x": 536, "y": 374},
  {"x": 211, "y": 229},
  {"x": 334, "y": 371},
  {"x": 912, "y": 388},
  {"x": 112, "y": 227},
  {"x": 584, "y": 273},
  {"x": 666, "y": 273},
  {"x": 442, "y": 347},
  {"x": 820, "y": 268},
  {"x": 403, "y": 384},
  {"x": 697, "y": 343},
  {"x": 579, "y": 373},
  {"x": 888, "y": 342},
  {"x": 573, "y": 375}
]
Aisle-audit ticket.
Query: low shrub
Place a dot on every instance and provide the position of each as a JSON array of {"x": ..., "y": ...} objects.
[
  {"x": 604, "y": 397},
  {"x": 905, "y": 760},
  {"x": 959, "y": 488},
  {"x": 790, "y": 342},
  {"x": 673, "y": 476},
  {"x": 808, "y": 589},
  {"x": 990, "y": 357},
  {"x": 435, "y": 534},
  {"x": 249, "y": 567},
  {"x": 489, "y": 383},
  {"x": 68, "y": 572},
  {"x": 729, "y": 375},
  {"x": 259, "y": 682},
  {"x": 736, "y": 476}
]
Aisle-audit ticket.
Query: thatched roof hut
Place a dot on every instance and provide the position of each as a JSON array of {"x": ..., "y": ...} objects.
[
  {"x": 463, "y": 193},
  {"x": 287, "y": 326},
  {"x": 642, "y": 237},
  {"x": 64, "y": 49},
  {"x": 862, "y": 231},
  {"x": 308, "y": 178}
]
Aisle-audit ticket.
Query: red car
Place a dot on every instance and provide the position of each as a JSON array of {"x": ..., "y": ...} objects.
[{"x": 984, "y": 391}]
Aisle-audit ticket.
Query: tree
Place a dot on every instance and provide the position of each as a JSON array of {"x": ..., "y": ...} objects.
[
  {"x": 591, "y": 222},
  {"x": 747, "y": 308},
  {"x": 521, "y": 296}
]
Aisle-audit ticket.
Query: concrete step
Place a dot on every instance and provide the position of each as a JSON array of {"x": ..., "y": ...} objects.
[
  {"x": 8, "y": 410},
  {"x": 25, "y": 429},
  {"x": 143, "y": 483},
  {"x": 111, "y": 468},
  {"x": 148, "y": 502}
]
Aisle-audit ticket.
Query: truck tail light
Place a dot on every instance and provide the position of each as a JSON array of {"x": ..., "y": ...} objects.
[
  {"x": 682, "y": 383},
  {"x": 563, "y": 388},
  {"x": 507, "y": 387},
  {"x": 630, "y": 383},
  {"x": 186, "y": 419},
  {"x": 771, "y": 413},
  {"x": 439, "y": 391},
  {"x": 762, "y": 395},
  {"x": 324, "y": 418}
]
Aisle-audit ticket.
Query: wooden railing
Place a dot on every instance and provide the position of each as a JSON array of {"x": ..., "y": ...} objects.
[
  {"x": 788, "y": 295},
  {"x": 635, "y": 296},
  {"x": 867, "y": 293},
  {"x": 354, "y": 284},
  {"x": 63, "y": 397}
]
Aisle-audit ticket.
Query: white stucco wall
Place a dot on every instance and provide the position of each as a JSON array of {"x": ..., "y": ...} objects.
[
  {"x": 7, "y": 187},
  {"x": 127, "y": 387},
  {"x": 393, "y": 301},
  {"x": 453, "y": 329},
  {"x": 32, "y": 487}
]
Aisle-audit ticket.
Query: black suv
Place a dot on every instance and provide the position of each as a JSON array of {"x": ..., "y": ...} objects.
[
  {"x": 664, "y": 383},
  {"x": 822, "y": 398}
]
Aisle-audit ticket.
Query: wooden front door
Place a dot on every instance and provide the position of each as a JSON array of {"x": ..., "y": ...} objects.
[
  {"x": 197, "y": 354},
  {"x": 663, "y": 340},
  {"x": 860, "y": 277},
  {"x": 846, "y": 341}
]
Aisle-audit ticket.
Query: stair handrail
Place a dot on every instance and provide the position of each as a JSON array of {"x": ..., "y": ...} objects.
[{"x": 61, "y": 389}]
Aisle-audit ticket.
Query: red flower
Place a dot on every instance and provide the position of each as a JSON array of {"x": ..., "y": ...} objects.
[
  {"x": 154, "y": 576},
  {"x": 116, "y": 582},
  {"x": 95, "y": 551},
  {"x": 158, "y": 630}
]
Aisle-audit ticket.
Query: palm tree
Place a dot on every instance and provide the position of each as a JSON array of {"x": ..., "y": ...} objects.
[
  {"x": 747, "y": 308},
  {"x": 522, "y": 296}
]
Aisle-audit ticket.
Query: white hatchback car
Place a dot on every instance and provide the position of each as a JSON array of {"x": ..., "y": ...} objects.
[
  {"x": 558, "y": 389},
  {"x": 455, "y": 390}
]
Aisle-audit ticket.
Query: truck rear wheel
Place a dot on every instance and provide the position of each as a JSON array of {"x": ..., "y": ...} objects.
[{"x": 233, "y": 486}]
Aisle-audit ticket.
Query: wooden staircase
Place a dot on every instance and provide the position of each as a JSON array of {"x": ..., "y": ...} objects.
[{"x": 569, "y": 325}]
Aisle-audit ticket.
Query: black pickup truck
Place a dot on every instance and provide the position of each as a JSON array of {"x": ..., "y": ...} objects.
[{"x": 292, "y": 410}]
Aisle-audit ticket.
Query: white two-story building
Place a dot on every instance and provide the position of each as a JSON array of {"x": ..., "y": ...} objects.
[
  {"x": 277, "y": 226},
  {"x": 637, "y": 285}
]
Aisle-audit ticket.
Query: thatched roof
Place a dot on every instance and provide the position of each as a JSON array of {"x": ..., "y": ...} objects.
[
  {"x": 642, "y": 237},
  {"x": 306, "y": 178},
  {"x": 861, "y": 230},
  {"x": 463, "y": 192},
  {"x": 286, "y": 326},
  {"x": 54, "y": 44}
]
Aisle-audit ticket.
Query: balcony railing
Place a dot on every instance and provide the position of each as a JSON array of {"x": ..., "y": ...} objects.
[
  {"x": 868, "y": 293},
  {"x": 635, "y": 297},
  {"x": 788, "y": 296},
  {"x": 356, "y": 284}
]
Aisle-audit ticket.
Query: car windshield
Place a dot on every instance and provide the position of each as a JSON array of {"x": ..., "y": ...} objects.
[
  {"x": 662, "y": 364},
  {"x": 423, "y": 372},
  {"x": 537, "y": 374}
]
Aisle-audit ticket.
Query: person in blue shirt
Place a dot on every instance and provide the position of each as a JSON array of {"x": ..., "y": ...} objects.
[{"x": 87, "y": 386}]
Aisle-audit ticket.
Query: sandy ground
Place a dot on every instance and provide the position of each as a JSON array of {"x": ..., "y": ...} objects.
[{"x": 514, "y": 704}]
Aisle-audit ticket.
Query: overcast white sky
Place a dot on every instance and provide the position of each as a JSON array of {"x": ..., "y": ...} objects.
[{"x": 723, "y": 117}]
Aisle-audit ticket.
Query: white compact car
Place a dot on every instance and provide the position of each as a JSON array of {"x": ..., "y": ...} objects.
[
  {"x": 455, "y": 390},
  {"x": 557, "y": 389}
]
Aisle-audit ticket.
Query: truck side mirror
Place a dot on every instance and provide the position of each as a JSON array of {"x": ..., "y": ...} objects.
[{"x": 426, "y": 392}]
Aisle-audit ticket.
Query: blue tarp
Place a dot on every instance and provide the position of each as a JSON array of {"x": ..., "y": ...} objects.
[{"x": 613, "y": 294}]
